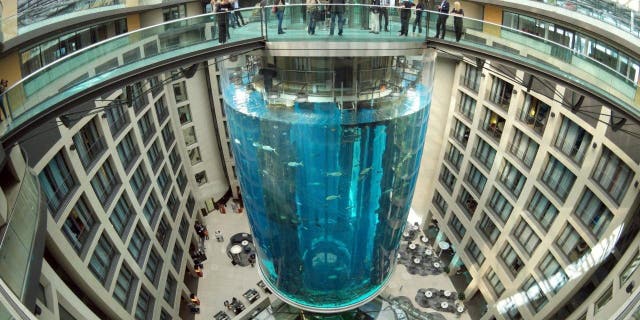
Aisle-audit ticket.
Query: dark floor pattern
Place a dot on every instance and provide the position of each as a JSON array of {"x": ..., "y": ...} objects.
[
  {"x": 404, "y": 310},
  {"x": 436, "y": 300},
  {"x": 426, "y": 264}
]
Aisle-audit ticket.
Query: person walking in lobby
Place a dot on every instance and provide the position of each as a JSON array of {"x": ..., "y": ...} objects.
[{"x": 441, "y": 25}]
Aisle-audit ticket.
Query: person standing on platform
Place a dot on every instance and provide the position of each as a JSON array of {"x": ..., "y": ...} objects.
[
  {"x": 457, "y": 13},
  {"x": 374, "y": 19},
  {"x": 279, "y": 11},
  {"x": 441, "y": 25},
  {"x": 337, "y": 10},
  {"x": 223, "y": 8},
  {"x": 237, "y": 14},
  {"x": 312, "y": 10},
  {"x": 384, "y": 11},
  {"x": 418, "y": 21},
  {"x": 405, "y": 16}
]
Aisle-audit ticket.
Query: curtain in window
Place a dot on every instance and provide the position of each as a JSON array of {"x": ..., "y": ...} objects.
[
  {"x": 542, "y": 209},
  {"x": 593, "y": 213}
]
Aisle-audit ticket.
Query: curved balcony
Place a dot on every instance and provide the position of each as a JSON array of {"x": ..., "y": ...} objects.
[{"x": 110, "y": 64}]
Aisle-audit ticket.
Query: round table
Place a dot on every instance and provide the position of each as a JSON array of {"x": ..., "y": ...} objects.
[
  {"x": 428, "y": 252},
  {"x": 244, "y": 242},
  {"x": 424, "y": 239},
  {"x": 444, "y": 245},
  {"x": 414, "y": 227},
  {"x": 436, "y": 264},
  {"x": 416, "y": 260},
  {"x": 405, "y": 234},
  {"x": 236, "y": 249},
  {"x": 460, "y": 309},
  {"x": 412, "y": 246},
  {"x": 447, "y": 293},
  {"x": 428, "y": 294},
  {"x": 444, "y": 305}
]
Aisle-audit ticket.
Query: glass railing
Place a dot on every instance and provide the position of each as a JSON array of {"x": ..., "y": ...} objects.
[
  {"x": 618, "y": 15},
  {"x": 18, "y": 235},
  {"x": 127, "y": 54}
]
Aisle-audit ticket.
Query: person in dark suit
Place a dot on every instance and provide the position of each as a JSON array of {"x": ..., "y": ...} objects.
[
  {"x": 224, "y": 8},
  {"x": 441, "y": 25},
  {"x": 337, "y": 11}
]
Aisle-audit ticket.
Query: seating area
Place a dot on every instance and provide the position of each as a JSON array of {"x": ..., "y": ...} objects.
[
  {"x": 440, "y": 300},
  {"x": 419, "y": 255}
]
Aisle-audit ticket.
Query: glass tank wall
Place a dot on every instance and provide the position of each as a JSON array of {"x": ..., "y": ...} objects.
[{"x": 328, "y": 155}]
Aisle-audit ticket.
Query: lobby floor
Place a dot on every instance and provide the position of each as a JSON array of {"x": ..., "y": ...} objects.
[{"x": 222, "y": 280}]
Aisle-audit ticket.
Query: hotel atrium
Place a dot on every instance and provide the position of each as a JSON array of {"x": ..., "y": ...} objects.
[{"x": 154, "y": 166}]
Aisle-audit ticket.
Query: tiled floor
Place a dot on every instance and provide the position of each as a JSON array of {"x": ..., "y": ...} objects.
[{"x": 222, "y": 280}]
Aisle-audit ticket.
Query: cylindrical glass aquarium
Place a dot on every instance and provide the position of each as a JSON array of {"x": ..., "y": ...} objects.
[{"x": 327, "y": 159}]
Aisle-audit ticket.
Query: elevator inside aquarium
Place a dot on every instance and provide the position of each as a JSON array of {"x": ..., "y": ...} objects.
[{"x": 327, "y": 151}]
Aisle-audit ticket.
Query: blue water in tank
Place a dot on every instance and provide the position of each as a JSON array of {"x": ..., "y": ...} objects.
[{"x": 327, "y": 191}]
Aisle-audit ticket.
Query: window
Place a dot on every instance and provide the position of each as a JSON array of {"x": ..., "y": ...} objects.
[
  {"x": 163, "y": 233},
  {"x": 184, "y": 113},
  {"x": 572, "y": 140},
  {"x": 471, "y": 77},
  {"x": 571, "y": 243},
  {"x": 154, "y": 264},
  {"x": 631, "y": 267},
  {"x": 138, "y": 96},
  {"x": 167, "y": 135},
  {"x": 121, "y": 215},
  {"x": 604, "y": 299},
  {"x": 117, "y": 117},
  {"x": 474, "y": 252},
  {"x": 170, "y": 290},
  {"x": 201, "y": 178},
  {"x": 558, "y": 178},
  {"x": 447, "y": 178},
  {"x": 176, "y": 256},
  {"x": 454, "y": 156},
  {"x": 457, "y": 227},
  {"x": 162, "y": 112},
  {"x": 183, "y": 230},
  {"x": 180, "y": 91},
  {"x": 525, "y": 236},
  {"x": 181, "y": 180},
  {"x": 146, "y": 126},
  {"x": 535, "y": 113},
  {"x": 460, "y": 132},
  {"x": 512, "y": 179},
  {"x": 102, "y": 259},
  {"x": 440, "y": 203},
  {"x": 476, "y": 179},
  {"x": 79, "y": 224},
  {"x": 495, "y": 283},
  {"x": 488, "y": 228},
  {"x": 511, "y": 260},
  {"x": 593, "y": 213},
  {"x": 151, "y": 209},
  {"x": 467, "y": 105},
  {"x": 155, "y": 85},
  {"x": 174, "y": 159},
  {"x": 57, "y": 182},
  {"x": 155, "y": 155},
  {"x": 164, "y": 315},
  {"x": 174, "y": 12},
  {"x": 105, "y": 183},
  {"x": 484, "y": 153},
  {"x": 534, "y": 293},
  {"x": 553, "y": 273},
  {"x": 189, "y": 136},
  {"x": 137, "y": 244},
  {"x": 173, "y": 204},
  {"x": 542, "y": 209},
  {"x": 501, "y": 92},
  {"x": 144, "y": 305},
  {"x": 164, "y": 181},
  {"x": 124, "y": 284},
  {"x": 140, "y": 182},
  {"x": 493, "y": 124},
  {"x": 500, "y": 205},
  {"x": 523, "y": 148},
  {"x": 467, "y": 202},
  {"x": 191, "y": 203},
  {"x": 89, "y": 144},
  {"x": 612, "y": 175},
  {"x": 127, "y": 151}
]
